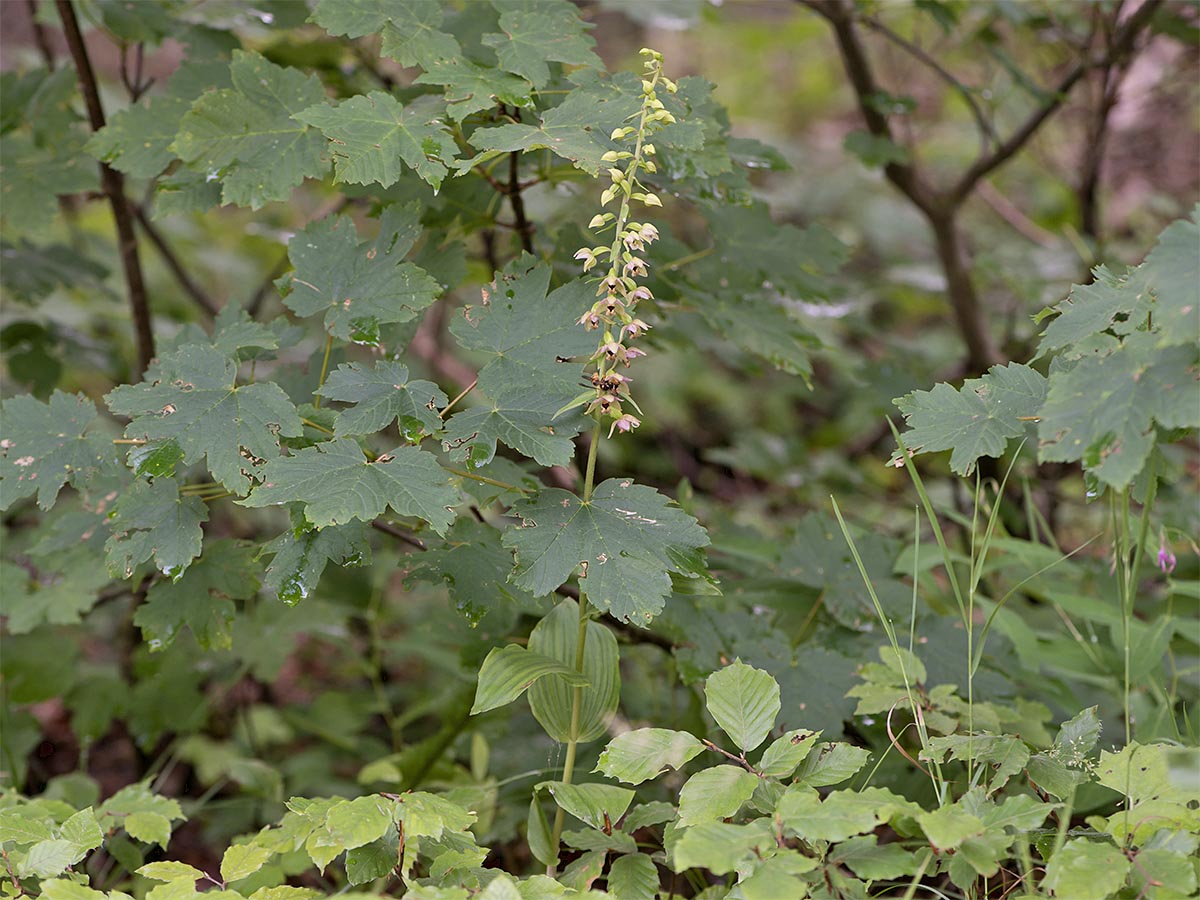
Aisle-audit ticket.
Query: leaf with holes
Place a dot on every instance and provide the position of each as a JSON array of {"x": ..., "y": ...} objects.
[
  {"x": 45, "y": 445},
  {"x": 337, "y": 483},
  {"x": 196, "y": 402},
  {"x": 626, "y": 541}
]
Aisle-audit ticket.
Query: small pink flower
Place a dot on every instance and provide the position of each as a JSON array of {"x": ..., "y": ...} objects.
[
  {"x": 635, "y": 266},
  {"x": 636, "y": 327},
  {"x": 632, "y": 353},
  {"x": 1166, "y": 559},
  {"x": 641, "y": 293},
  {"x": 613, "y": 303},
  {"x": 632, "y": 240},
  {"x": 649, "y": 233},
  {"x": 625, "y": 424},
  {"x": 589, "y": 320}
]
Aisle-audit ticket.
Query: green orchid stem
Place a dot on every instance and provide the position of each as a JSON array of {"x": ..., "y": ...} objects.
[
  {"x": 324, "y": 371},
  {"x": 589, "y": 481}
]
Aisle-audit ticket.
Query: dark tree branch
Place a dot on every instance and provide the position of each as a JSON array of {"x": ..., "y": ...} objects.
[
  {"x": 987, "y": 134},
  {"x": 114, "y": 188},
  {"x": 398, "y": 533},
  {"x": 1121, "y": 44},
  {"x": 522, "y": 224},
  {"x": 904, "y": 176},
  {"x": 193, "y": 290},
  {"x": 40, "y": 39}
]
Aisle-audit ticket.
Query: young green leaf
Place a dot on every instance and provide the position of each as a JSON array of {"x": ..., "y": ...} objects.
[
  {"x": 508, "y": 672},
  {"x": 637, "y": 756},
  {"x": 744, "y": 702},
  {"x": 598, "y": 805},
  {"x": 786, "y": 752},
  {"x": 715, "y": 793},
  {"x": 552, "y": 700}
]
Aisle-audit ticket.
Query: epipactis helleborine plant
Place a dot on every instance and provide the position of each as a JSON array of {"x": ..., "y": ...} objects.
[{"x": 614, "y": 313}]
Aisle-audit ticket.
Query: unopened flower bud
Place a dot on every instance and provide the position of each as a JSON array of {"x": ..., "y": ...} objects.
[{"x": 649, "y": 233}]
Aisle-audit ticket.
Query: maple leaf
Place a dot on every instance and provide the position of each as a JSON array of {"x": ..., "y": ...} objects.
[
  {"x": 196, "y": 402},
  {"x": 359, "y": 286},
  {"x": 45, "y": 445},
  {"x": 381, "y": 395},
  {"x": 371, "y": 134},
  {"x": 408, "y": 28},
  {"x": 471, "y": 87},
  {"x": 551, "y": 31},
  {"x": 627, "y": 539},
  {"x": 151, "y": 519},
  {"x": 531, "y": 339},
  {"x": 246, "y": 135},
  {"x": 337, "y": 483}
]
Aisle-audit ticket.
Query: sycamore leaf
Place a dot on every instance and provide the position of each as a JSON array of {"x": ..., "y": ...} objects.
[
  {"x": 60, "y": 595},
  {"x": 976, "y": 420},
  {"x": 1102, "y": 410},
  {"x": 577, "y": 129},
  {"x": 337, "y": 483},
  {"x": 151, "y": 519},
  {"x": 45, "y": 445},
  {"x": 247, "y": 137},
  {"x": 627, "y": 538},
  {"x": 196, "y": 402},
  {"x": 32, "y": 176},
  {"x": 552, "y": 31},
  {"x": 531, "y": 341},
  {"x": 372, "y": 133},
  {"x": 471, "y": 87},
  {"x": 359, "y": 286},
  {"x": 137, "y": 140},
  {"x": 300, "y": 557},
  {"x": 637, "y": 756},
  {"x": 382, "y": 395},
  {"x": 202, "y": 599},
  {"x": 408, "y": 28},
  {"x": 475, "y": 567}
]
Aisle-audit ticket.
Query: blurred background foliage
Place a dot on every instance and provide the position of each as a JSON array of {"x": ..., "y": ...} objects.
[{"x": 367, "y": 683}]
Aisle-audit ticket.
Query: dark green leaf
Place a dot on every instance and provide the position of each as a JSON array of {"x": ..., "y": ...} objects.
[
  {"x": 627, "y": 538},
  {"x": 381, "y": 395},
  {"x": 336, "y": 484},
  {"x": 153, "y": 520},
  {"x": 45, "y": 445},
  {"x": 548, "y": 31},
  {"x": 195, "y": 401}
]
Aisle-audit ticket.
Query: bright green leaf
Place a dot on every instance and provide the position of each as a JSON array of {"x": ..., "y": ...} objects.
[
  {"x": 598, "y": 805},
  {"x": 508, "y": 672},
  {"x": 1086, "y": 870},
  {"x": 715, "y": 793},
  {"x": 637, "y": 756},
  {"x": 744, "y": 701}
]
